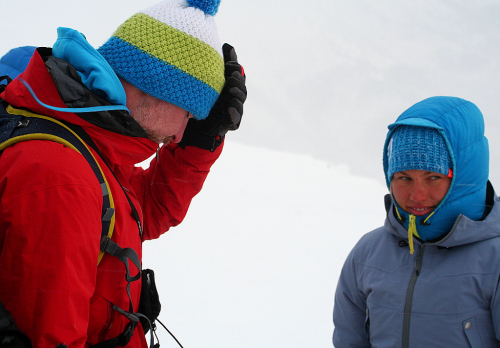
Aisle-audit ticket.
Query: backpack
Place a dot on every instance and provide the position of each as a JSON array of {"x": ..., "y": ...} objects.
[
  {"x": 18, "y": 125},
  {"x": 24, "y": 126}
]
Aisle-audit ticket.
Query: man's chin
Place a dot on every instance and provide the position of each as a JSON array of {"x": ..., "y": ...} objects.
[
  {"x": 160, "y": 140},
  {"x": 167, "y": 140}
]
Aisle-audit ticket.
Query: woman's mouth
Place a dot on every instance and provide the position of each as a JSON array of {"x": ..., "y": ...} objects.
[{"x": 419, "y": 211}]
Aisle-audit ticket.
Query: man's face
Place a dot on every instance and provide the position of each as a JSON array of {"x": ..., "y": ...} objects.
[
  {"x": 162, "y": 121},
  {"x": 419, "y": 192}
]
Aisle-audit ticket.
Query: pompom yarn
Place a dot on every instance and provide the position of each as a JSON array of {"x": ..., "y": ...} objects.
[{"x": 210, "y": 7}]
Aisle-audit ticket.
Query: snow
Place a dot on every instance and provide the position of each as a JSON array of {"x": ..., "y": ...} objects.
[{"x": 256, "y": 261}]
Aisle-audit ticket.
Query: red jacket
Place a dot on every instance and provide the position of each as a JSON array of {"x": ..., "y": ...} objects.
[{"x": 50, "y": 209}]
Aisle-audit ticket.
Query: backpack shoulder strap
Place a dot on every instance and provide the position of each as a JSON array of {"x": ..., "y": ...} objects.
[{"x": 22, "y": 125}]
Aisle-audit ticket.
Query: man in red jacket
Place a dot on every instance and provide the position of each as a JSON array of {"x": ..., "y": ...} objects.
[{"x": 162, "y": 78}]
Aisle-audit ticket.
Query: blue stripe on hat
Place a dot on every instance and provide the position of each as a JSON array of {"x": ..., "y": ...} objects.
[{"x": 158, "y": 78}]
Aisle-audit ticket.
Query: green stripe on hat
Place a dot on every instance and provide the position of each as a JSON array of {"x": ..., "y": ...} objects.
[{"x": 174, "y": 47}]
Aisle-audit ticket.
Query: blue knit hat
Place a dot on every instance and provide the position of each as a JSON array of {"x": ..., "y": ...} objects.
[
  {"x": 419, "y": 148},
  {"x": 172, "y": 52}
]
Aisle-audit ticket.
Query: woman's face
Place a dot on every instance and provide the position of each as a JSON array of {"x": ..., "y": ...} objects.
[{"x": 419, "y": 192}]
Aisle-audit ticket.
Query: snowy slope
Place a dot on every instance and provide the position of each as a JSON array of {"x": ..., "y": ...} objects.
[{"x": 256, "y": 261}]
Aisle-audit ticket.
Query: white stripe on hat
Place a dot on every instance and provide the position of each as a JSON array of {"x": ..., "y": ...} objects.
[{"x": 179, "y": 15}]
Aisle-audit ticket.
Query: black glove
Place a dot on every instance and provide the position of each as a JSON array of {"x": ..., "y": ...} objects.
[{"x": 227, "y": 111}]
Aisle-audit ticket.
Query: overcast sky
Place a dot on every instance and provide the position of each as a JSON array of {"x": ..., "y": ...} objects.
[{"x": 324, "y": 77}]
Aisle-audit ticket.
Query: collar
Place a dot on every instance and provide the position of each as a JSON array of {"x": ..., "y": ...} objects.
[{"x": 55, "y": 82}]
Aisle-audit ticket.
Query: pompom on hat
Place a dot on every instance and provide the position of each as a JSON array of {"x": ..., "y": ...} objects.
[
  {"x": 419, "y": 148},
  {"x": 171, "y": 51}
]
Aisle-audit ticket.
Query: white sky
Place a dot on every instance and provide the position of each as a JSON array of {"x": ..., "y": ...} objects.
[
  {"x": 324, "y": 77},
  {"x": 256, "y": 261}
]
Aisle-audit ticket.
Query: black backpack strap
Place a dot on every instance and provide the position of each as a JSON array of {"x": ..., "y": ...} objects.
[
  {"x": 83, "y": 135},
  {"x": 3, "y": 85},
  {"x": 124, "y": 255}
]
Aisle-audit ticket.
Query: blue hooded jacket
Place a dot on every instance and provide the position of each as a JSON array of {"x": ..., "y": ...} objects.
[
  {"x": 447, "y": 293},
  {"x": 461, "y": 124}
]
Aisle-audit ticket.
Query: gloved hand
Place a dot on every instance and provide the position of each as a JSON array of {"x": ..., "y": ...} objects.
[{"x": 226, "y": 112}]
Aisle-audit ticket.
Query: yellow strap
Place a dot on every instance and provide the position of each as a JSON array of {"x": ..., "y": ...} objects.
[
  {"x": 36, "y": 136},
  {"x": 42, "y": 136}
]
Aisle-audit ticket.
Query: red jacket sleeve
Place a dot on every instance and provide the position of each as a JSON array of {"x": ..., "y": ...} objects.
[
  {"x": 50, "y": 207},
  {"x": 167, "y": 187}
]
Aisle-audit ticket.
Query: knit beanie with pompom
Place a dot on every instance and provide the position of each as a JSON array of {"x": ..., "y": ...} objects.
[{"x": 171, "y": 51}]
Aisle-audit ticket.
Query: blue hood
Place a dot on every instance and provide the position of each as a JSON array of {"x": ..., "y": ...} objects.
[
  {"x": 461, "y": 124},
  {"x": 93, "y": 69}
]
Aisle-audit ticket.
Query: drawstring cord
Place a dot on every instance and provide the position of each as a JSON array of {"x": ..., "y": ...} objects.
[
  {"x": 74, "y": 110},
  {"x": 397, "y": 212},
  {"x": 412, "y": 229},
  {"x": 427, "y": 218}
]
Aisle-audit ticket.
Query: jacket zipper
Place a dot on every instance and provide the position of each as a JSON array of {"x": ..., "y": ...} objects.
[{"x": 409, "y": 297}]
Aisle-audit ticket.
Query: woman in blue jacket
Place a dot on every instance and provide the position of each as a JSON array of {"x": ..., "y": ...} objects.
[{"x": 430, "y": 276}]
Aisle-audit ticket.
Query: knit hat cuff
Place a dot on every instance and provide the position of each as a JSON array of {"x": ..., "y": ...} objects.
[{"x": 417, "y": 148}]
